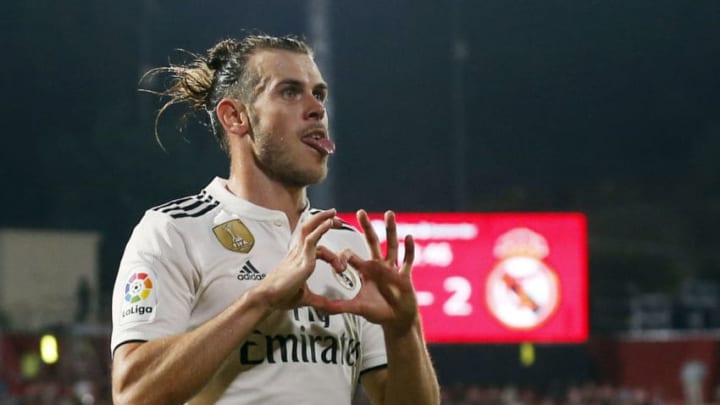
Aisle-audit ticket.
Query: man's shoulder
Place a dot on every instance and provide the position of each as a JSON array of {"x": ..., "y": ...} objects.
[
  {"x": 181, "y": 216},
  {"x": 193, "y": 206}
]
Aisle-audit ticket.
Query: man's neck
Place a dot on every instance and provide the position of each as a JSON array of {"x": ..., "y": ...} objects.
[{"x": 262, "y": 191}]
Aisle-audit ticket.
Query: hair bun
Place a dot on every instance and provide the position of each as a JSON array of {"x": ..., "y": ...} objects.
[{"x": 220, "y": 54}]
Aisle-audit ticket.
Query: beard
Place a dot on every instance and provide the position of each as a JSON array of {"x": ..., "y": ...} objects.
[{"x": 274, "y": 158}]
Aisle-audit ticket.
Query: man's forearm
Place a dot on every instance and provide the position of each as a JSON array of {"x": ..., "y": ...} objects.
[
  {"x": 411, "y": 377},
  {"x": 173, "y": 369}
]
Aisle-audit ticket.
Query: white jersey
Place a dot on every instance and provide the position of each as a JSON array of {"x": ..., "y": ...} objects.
[{"x": 191, "y": 258}]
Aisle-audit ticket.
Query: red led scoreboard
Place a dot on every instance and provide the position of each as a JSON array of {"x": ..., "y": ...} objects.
[{"x": 501, "y": 278}]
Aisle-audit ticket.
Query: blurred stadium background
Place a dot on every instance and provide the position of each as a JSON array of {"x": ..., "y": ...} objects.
[{"x": 608, "y": 108}]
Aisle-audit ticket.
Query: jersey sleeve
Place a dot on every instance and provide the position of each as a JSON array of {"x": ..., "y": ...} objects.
[
  {"x": 155, "y": 284},
  {"x": 373, "y": 347}
]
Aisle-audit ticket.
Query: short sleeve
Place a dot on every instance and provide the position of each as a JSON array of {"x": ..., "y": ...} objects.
[
  {"x": 155, "y": 285},
  {"x": 373, "y": 347}
]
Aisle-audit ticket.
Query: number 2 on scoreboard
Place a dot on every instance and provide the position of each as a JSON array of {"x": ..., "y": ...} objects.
[{"x": 457, "y": 304}]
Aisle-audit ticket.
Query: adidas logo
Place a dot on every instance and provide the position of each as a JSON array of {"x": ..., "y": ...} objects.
[{"x": 249, "y": 272}]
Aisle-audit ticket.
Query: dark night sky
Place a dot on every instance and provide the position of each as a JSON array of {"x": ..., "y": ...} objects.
[{"x": 568, "y": 105}]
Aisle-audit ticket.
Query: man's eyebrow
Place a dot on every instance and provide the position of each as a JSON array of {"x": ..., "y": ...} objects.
[
  {"x": 292, "y": 82},
  {"x": 299, "y": 83}
]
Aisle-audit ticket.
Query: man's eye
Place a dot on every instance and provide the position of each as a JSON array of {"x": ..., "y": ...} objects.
[
  {"x": 320, "y": 95},
  {"x": 290, "y": 92}
]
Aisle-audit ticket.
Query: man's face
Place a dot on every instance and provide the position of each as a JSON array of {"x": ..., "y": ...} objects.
[{"x": 287, "y": 117}]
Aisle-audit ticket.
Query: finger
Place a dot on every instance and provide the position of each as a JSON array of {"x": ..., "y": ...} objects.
[
  {"x": 325, "y": 254},
  {"x": 314, "y": 300},
  {"x": 313, "y": 237},
  {"x": 313, "y": 221},
  {"x": 365, "y": 267},
  {"x": 409, "y": 256},
  {"x": 332, "y": 307},
  {"x": 344, "y": 257},
  {"x": 375, "y": 270},
  {"x": 388, "y": 282},
  {"x": 339, "y": 223},
  {"x": 392, "y": 241},
  {"x": 370, "y": 235}
]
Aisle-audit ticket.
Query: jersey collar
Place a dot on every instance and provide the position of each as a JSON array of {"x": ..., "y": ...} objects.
[{"x": 218, "y": 189}]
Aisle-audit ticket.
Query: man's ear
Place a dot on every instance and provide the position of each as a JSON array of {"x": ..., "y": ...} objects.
[{"x": 233, "y": 116}]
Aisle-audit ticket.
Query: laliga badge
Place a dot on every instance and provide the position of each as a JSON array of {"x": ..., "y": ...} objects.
[
  {"x": 235, "y": 236},
  {"x": 140, "y": 299},
  {"x": 522, "y": 291}
]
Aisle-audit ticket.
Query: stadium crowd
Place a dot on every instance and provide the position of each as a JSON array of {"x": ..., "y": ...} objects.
[
  {"x": 82, "y": 377},
  {"x": 49, "y": 390},
  {"x": 585, "y": 394}
]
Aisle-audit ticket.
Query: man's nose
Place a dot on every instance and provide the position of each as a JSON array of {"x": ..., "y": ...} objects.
[{"x": 315, "y": 110}]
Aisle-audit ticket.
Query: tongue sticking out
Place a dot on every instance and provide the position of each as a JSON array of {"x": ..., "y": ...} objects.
[{"x": 322, "y": 145}]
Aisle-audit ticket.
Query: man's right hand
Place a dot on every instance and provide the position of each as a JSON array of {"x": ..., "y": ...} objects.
[{"x": 286, "y": 286}]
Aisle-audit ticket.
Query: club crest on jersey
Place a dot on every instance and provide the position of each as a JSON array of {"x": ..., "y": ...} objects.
[
  {"x": 235, "y": 236},
  {"x": 139, "y": 302},
  {"x": 347, "y": 279}
]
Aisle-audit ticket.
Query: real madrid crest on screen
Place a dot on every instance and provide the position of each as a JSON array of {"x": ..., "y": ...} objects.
[
  {"x": 522, "y": 291},
  {"x": 235, "y": 236}
]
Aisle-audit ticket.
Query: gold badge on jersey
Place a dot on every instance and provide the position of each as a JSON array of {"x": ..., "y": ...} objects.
[{"x": 235, "y": 236}]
